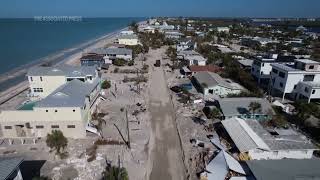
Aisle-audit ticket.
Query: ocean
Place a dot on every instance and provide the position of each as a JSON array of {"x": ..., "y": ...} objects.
[{"x": 24, "y": 41}]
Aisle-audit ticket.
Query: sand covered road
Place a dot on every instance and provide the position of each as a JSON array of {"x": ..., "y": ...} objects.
[{"x": 165, "y": 153}]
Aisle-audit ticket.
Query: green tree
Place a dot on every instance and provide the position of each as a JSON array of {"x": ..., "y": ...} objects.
[
  {"x": 56, "y": 141},
  {"x": 119, "y": 62},
  {"x": 215, "y": 113},
  {"x": 106, "y": 84},
  {"x": 254, "y": 107},
  {"x": 115, "y": 173}
]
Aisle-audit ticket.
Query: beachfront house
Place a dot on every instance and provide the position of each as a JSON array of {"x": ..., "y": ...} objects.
[
  {"x": 212, "y": 83},
  {"x": 128, "y": 39},
  {"x": 111, "y": 54},
  {"x": 10, "y": 168},
  {"x": 68, "y": 109},
  {"x": 44, "y": 80},
  {"x": 92, "y": 59},
  {"x": 173, "y": 34},
  {"x": 300, "y": 81},
  {"x": 254, "y": 142},
  {"x": 240, "y": 107}
]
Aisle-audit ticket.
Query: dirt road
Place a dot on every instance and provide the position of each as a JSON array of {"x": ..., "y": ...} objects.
[{"x": 165, "y": 153}]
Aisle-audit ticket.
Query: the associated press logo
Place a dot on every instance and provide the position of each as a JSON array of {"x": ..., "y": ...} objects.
[{"x": 58, "y": 18}]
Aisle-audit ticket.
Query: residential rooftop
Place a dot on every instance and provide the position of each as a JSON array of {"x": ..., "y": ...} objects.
[
  {"x": 71, "y": 94},
  {"x": 250, "y": 135},
  {"x": 237, "y": 106},
  {"x": 128, "y": 36},
  {"x": 307, "y": 61},
  {"x": 92, "y": 56},
  {"x": 8, "y": 166},
  {"x": 212, "y": 79},
  {"x": 117, "y": 51},
  {"x": 62, "y": 70},
  {"x": 285, "y": 169}
]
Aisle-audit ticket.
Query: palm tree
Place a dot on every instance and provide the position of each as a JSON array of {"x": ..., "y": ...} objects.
[
  {"x": 115, "y": 173},
  {"x": 254, "y": 107}
]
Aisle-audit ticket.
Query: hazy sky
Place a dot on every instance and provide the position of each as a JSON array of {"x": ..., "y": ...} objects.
[{"x": 146, "y": 8}]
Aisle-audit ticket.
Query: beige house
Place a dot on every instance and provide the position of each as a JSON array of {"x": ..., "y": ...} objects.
[
  {"x": 129, "y": 40},
  {"x": 44, "y": 80},
  {"x": 68, "y": 108}
]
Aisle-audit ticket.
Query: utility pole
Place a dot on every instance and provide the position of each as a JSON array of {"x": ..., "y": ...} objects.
[{"x": 128, "y": 130}]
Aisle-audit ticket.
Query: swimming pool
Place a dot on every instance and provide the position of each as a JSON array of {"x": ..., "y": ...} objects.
[{"x": 28, "y": 106}]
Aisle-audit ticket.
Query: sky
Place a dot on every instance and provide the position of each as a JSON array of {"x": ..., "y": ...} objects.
[{"x": 148, "y": 8}]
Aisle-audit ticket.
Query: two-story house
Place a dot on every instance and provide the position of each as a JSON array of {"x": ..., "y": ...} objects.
[{"x": 299, "y": 81}]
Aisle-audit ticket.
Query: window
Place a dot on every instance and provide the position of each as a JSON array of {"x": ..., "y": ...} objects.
[
  {"x": 71, "y": 126},
  {"x": 31, "y": 79},
  {"x": 74, "y": 110},
  {"x": 313, "y": 91},
  {"x": 7, "y": 127},
  {"x": 275, "y": 71},
  {"x": 39, "y": 126},
  {"x": 282, "y": 74},
  {"x": 311, "y": 67},
  {"x": 47, "y": 110},
  {"x": 281, "y": 84},
  {"x": 37, "y": 89},
  {"x": 295, "y": 86},
  {"x": 262, "y": 64},
  {"x": 55, "y": 110},
  {"x": 55, "y": 126},
  {"x": 40, "y": 78},
  {"x": 308, "y": 77}
]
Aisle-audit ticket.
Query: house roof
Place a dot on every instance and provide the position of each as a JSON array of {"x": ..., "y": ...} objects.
[
  {"x": 285, "y": 169},
  {"x": 212, "y": 80},
  {"x": 246, "y": 62},
  {"x": 62, "y": 70},
  {"x": 209, "y": 68},
  {"x": 117, "y": 51},
  {"x": 71, "y": 94},
  {"x": 8, "y": 166},
  {"x": 314, "y": 85},
  {"x": 284, "y": 67},
  {"x": 249, "y": 134},
  {"x": 307, "y": 61},
  {"x": 92, "y": 57},
  {"x": 128, "y": 36},
  {"x": 240, "y": 106}
]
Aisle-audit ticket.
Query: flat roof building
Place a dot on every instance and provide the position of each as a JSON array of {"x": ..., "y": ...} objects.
[{"x": 257, "y": 143}]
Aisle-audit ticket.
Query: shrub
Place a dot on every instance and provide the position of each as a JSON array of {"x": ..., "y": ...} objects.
[
  {"x": 105, "y": 84},
  {"x": 130, "y": 63},
  {"x": 57, "y": 141},
  {"x": 119, "y": 62}
]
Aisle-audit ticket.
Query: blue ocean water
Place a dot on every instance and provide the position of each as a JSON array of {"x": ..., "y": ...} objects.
[{"x": 25, "y": 40}]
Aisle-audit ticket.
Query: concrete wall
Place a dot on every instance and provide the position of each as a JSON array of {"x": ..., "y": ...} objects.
[
  {"x": 292, "y": 154},
  {"x": 28, "y": 120}
]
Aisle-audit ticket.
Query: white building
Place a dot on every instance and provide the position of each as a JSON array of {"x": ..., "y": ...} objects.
[
  {"x": 223, "y": 29},
  {"x": 111, "y": 54},
  {"x": 186, "y": 44},
  {"x": 255, "y": 142},
  {"x": 300, "y": 80},
  {"x": 127, "y": 32},
  {"x": 212, "y": 83},
  {"x": 192, "y": 57},
  {"x": 173, "y": 34},
  {"x": 129, "y": 40},
  {"x": 44, "y": 80}
]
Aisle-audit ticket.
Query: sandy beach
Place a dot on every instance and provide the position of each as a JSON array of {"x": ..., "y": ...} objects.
[{"x": 70, "y": 56}]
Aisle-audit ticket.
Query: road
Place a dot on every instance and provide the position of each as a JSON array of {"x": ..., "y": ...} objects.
[{"x": 165, "y": 152}]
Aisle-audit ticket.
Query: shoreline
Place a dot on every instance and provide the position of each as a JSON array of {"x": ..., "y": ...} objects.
[
  {"x": 17, "y": 75},
  {"x": 14, "y": 82}
]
